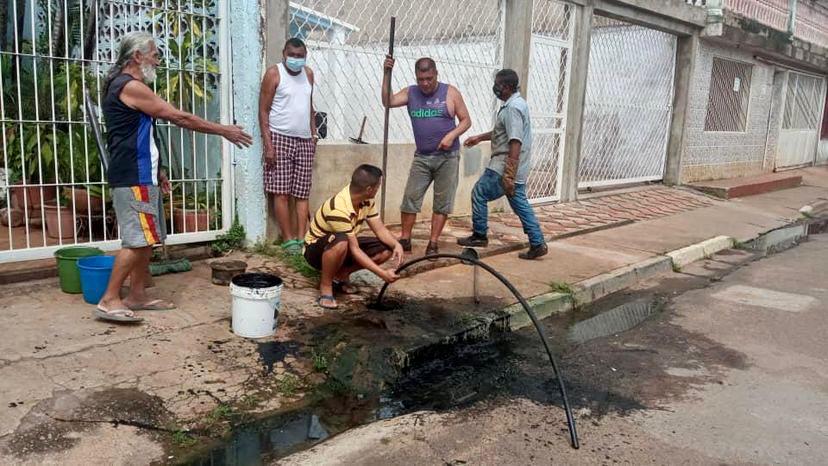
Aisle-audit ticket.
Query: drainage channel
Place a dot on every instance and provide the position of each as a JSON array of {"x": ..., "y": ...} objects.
[
  {"x": 507, "y": 365},
  {"x": 504, "y": 366}
]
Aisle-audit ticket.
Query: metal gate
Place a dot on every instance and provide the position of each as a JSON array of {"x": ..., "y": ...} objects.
[
  {"x": 799, "y": 136},
  {"x": 628, "y": 104},
  {"x": 547, "y": 93},
  {"x": 53, "y": 188}
]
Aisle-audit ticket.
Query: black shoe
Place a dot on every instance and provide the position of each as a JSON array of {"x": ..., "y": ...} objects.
[
  {"x": 406, "y": 244},
  {"x": 432, "y": 248},
  {"x": 474, "y": 241},
  {"x": 534, "y": 252}
]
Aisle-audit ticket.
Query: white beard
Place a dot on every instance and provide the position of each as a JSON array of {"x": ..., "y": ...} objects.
[{"x": 149, "y": 73}]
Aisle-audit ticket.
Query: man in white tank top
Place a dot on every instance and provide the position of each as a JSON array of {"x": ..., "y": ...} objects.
[{"x": 286, "y": 117}]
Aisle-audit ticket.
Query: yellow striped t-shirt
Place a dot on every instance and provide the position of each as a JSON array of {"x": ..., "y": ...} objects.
[{"x": 338, "y": 215}]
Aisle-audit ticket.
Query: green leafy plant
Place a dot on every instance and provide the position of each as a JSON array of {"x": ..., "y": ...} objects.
[
  {"x": 220, "y": 413},
  {"x": 295, "y": 262},
  {"x": 233, "y": 239},
  {"x": 288, "y": 385},
  {"x": 562, "y": 287},
  {"x": 182, "y": 439},
  {"x": 36, "y": 151},
  {"x": 320, "y": 361},
  {"x": 249, "y": 401}
]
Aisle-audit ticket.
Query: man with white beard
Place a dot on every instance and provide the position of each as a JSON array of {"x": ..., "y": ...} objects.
[{"x": 130, "y": 108}]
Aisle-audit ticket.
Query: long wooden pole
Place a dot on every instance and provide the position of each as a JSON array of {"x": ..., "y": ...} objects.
[{"x": 385, "y": 129}]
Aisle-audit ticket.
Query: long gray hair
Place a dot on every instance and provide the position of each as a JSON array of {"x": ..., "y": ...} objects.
[{"x": 132, "y": 42}]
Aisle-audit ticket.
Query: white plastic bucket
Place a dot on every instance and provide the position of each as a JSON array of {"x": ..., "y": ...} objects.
[{"x": 256, "y": 298}]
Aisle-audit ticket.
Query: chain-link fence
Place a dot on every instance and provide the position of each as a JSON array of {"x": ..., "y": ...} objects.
[
  {"x": 54, "y": 190},
  {"x": 547, "y": 94},
  {"x": 628, "y": 104},
  {"x": 347, "y": 42}
]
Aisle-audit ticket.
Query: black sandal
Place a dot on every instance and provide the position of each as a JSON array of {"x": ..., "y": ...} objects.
[{"x": 328, "y": 297}]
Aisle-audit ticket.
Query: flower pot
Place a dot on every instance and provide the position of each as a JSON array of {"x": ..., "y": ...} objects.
[
  {"x": 33, "y": 199},
  {"x": 63, "y": 227},
  {"x": 190, "y": 221},
  {"x": 12, "y": 217},
  {"x": 84, "y": 204}
]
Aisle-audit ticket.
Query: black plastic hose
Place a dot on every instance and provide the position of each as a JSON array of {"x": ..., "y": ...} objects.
[{"x": 470, "y": 257}]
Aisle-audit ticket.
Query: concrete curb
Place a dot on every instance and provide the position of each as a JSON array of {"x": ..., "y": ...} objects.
[
  {"x": 513, "y": 317},
  {"x": 778, "y": 239},
  {"x": 687, "y": 255}
]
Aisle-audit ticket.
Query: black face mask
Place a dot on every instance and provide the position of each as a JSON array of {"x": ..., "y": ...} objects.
[{"x": 498, "y": 91}]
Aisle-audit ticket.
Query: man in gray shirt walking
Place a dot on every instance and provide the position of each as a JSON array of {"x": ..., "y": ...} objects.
[{"x": 508, "y": 168}]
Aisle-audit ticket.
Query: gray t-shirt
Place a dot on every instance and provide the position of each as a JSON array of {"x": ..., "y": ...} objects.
[{"x": 512, "y": 124}]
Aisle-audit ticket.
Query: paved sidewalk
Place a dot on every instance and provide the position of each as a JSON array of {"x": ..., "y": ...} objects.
[
  {"x": 597, "y": 212},
  {"x": 64, "y": 376}
]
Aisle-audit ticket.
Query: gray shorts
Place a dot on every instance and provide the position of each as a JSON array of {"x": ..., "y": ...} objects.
[
  {"x": 444, "y": 170},
  {"x": 140, "y": 214}
]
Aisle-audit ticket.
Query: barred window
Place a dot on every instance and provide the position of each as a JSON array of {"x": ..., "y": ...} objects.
[{"x": 727, "y": 104}]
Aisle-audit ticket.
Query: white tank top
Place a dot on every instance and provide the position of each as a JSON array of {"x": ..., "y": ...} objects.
[{"x": 290, "y": 111}]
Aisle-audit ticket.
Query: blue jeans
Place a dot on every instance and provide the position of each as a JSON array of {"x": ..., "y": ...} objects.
[{"x": 487, "y": 189}]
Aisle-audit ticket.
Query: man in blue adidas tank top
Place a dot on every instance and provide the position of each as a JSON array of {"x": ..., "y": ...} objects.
[
  {"x": 130, "y": 108},
  {"x": 438, "y": 117}
]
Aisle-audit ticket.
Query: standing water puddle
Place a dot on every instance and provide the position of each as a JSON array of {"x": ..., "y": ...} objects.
[
  {"x": 614, "y": 321},
  {"x": 508, "y": 364}
]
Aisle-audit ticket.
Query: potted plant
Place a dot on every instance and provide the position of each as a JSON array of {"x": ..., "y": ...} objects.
[
  {"x": 38, "y": 154},
  {"x": 192, "y": 212},
  {"x": 60, "y": 222},
  {"x": 84, "y": 168},
  {"x": 28, "y": 171},
  {"x": 87, "y": 200}
]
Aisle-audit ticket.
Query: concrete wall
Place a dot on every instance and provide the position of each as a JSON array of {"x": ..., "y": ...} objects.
[
  {"x": 710, "y": 155},
  {"x": 335, "y": 163}
]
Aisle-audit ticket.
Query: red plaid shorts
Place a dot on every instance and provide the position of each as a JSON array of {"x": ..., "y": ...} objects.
[{"x": 292, "y": 171}]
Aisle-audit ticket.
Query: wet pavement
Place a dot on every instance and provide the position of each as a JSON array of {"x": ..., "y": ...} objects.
[
  {"x": 672, "y": 372},
  {"x": 506, "y": 366},
  {"x": 353, "y": 366}
]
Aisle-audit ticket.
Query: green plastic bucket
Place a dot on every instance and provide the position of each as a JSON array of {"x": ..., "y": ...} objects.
[{"x": 67, "y": 263}]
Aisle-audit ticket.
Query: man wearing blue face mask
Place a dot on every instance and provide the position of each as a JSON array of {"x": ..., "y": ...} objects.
[{"x": 286, "y": 117}]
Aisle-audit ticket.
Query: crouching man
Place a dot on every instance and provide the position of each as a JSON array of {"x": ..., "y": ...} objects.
[{"x": 332, "y": 245}]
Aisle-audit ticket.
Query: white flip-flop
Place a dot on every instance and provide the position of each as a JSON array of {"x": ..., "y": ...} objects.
[{"x": 117, "y": 315}]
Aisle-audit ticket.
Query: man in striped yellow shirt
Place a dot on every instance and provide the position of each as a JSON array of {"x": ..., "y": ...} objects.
[{"x": 332, "y": 245}]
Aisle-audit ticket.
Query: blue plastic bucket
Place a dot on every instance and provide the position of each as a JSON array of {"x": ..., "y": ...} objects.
[{"x": 94, "y": 276}]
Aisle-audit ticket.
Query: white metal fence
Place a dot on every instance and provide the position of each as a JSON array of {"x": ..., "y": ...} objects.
[
  {"x": 348, "y": 40},
  {"x": 803, "y": 102},
  {"x": 547, "y": 95},
  {"x": 800, "y": 132},
  {"x": 628, "y": 104},
  {"x": 54, "y": 191}
]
